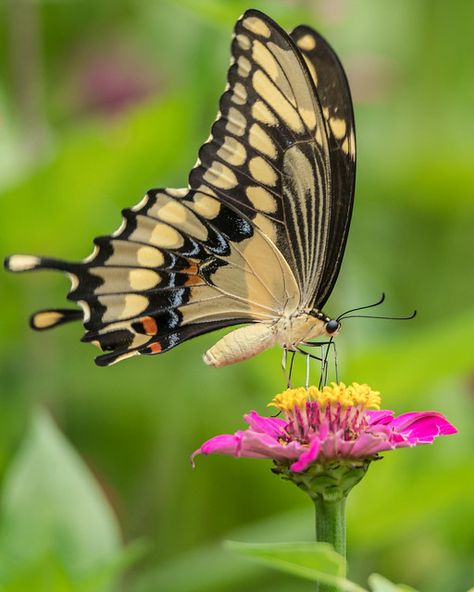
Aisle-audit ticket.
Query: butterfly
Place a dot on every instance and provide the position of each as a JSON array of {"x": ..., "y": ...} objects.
[{"x": 258, "y": 235}]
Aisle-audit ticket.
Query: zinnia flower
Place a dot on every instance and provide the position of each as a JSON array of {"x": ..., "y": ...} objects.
[{"x": 337, "y": 423}]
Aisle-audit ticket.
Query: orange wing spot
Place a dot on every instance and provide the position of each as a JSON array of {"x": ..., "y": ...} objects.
[
  {"x": 193, "y": 280},
  {"x": 155, "y": 348},
  {"x": 150, "y": 326},
  {"x": 192, "y": 269}
]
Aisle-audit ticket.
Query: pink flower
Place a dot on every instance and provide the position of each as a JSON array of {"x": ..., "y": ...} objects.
[{"x": 337, "y": 422}]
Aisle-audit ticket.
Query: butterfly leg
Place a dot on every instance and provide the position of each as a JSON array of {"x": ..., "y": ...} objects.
[
  {"x": 336, "y": 366},
  {"x": 284, "y": 359},
  {"x": 292, "y": 361},
  {"x": 308, "y": 357},
  {"x": 307, "y": 372},
  {"x": 323, "y": 376},
  {"x": 324, "y": 359}
]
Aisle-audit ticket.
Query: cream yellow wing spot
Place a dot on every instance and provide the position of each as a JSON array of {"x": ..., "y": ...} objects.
[
  {"x": 207, "y": 190},
  {"x": 309, "y": 117},
  {"x": 262, "y": 113},
  {"x": 206, "y": 206},
  {"x": 243, "y": 41},
  {"x": 243, "y": 66},
  {"x": 168, "y": 210},
  {"x": 256, "y": 26},
  {"x": 338, "y": 127},
  {"x": 119, "y": 307},
  {"x": 132, "y": 254},
  {"x": 220, "y": 176},
  {"x": 265, "y": 59},
  {"x": 236, "y": 122},
  {"x": 121, "y": 279},
  {"x": 261, "y": 141},
  {"x": 176, "y": 214},
  {"x": 261, "y": 199},
  {"x": 307, "y": 42},
  {"x": 239, "y": 95},
  {"x": 23, "y": 262},
  {"x": 352, "y": 144},
  {"x": 312, "y": 70},
  {"x": 262, "y": 172},
  {"x": 166, "y": 237},
  {"x": 48, "y": 318},
  {"x": 149, "y": 257},
  {"x": 143, "y": 279},
  {"x": 181, "y": 192},
  {"x": 232, "y": 151}
]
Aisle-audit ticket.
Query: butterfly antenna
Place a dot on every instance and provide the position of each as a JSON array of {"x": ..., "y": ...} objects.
[
  {"x": 382, "y": 298},
  {"x": 407, "y": 318}
]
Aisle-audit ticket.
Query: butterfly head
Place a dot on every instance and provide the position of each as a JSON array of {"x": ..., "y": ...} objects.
[{"x": 330, "y": 327}]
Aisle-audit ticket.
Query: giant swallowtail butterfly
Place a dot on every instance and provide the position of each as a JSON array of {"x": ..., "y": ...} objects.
[{"x": 258, "y": 235}]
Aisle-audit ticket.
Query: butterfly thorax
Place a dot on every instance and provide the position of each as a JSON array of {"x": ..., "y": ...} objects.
[{"x": 291, "y": 331}]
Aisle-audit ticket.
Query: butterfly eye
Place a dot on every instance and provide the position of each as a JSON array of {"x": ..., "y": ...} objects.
[{"x": 332, "y": 326}]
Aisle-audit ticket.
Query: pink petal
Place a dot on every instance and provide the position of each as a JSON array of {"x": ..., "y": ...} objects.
[
  {"x": 370, "y": 443},
  {"x": 379, "y": 417},
  {"x": 308, "y": 456},
  {"x": 269, "y": 447},
  {"x": 223, "y": 444},
  {"x": 250, "y": 444},
  {"x": 422, "y": 427},
  {"x": 273, "y": 426}
]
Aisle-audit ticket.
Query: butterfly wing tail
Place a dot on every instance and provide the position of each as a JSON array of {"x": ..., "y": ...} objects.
[
  {"x": 21, "y": 263},
  {"x": 45, "y": 319}
]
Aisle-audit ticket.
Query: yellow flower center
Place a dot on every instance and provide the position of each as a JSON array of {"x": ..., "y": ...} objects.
[{"x": 354, "y": 395}]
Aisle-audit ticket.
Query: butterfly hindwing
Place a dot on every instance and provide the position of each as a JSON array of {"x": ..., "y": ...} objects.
[
  {"x": 179, "y": 265},
  {"x": 334, "y": 96}
]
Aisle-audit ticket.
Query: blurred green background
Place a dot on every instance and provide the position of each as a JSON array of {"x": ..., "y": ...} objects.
[{"x": 101, "y": 100}]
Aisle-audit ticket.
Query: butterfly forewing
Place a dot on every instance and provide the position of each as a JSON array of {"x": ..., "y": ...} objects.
[{"x": 268, "y": 150}]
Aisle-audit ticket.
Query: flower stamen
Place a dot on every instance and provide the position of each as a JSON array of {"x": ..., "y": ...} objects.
[{"x": 338, "y": 408}]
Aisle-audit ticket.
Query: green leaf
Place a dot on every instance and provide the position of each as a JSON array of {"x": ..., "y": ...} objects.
[
  {"x": 54, "y": 518},
  {"x": 313, "y": 561},
  {"x": 380, "y": 584}
]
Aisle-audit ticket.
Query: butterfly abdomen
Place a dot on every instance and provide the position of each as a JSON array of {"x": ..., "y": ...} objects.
[{"x": 241, "y": 344}]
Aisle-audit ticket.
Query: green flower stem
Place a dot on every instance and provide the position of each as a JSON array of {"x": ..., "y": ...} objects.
[
  {"x": 328, "y": 485},
  {"x": 331, "y": 523},
  {"x": 331, "y": 528}
]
